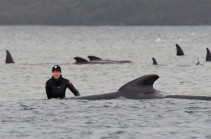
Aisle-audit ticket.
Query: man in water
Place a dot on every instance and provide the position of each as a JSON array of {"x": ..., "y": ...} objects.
[{"x": 57, "y": 85}]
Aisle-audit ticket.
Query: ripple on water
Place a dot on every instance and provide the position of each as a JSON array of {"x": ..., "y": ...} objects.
[{"x": 26, "y": 113}]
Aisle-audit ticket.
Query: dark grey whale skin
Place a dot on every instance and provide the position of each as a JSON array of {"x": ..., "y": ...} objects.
[
  {"x": 179, "y": 50},
  {"x": 140, "y": 88}
]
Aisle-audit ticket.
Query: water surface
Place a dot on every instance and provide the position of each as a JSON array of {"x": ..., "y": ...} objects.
[{"x": 26, "y": 113}]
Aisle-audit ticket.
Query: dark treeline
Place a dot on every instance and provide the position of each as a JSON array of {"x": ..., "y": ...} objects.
[{"x": 105, "y": 12}]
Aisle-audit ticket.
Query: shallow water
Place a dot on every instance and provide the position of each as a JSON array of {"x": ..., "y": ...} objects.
[{"x": 26, "y": 113}]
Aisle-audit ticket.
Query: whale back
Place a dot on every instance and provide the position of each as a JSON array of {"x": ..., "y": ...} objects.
[
  {"x": 179, "y": 50},
  {"x": 9, "y": 58},
  {"x": 140, "y": 88},
  {"x": 208, "y": 57}
]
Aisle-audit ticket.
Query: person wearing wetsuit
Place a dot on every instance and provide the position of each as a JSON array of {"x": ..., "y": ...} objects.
[{"x": 57, "y": 85}]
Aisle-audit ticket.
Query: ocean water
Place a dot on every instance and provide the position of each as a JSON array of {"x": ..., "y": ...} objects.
[{"x": 26, "y": 112}]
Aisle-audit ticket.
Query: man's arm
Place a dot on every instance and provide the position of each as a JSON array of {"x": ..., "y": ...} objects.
[
  {"x": 48, "y": 90},
  {"x": 73, "y": 89}
]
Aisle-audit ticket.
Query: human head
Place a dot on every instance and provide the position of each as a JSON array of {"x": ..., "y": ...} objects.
[{"x": 56, "y": 71}]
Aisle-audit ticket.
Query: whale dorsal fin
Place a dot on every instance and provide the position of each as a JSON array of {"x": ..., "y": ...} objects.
[
  {"x": 179, "y": 50},
  {"x": 208, "y": 57},
  {"x": 92, "y": 58},
  {"x": 80, "y": 60},
  {"x": 154, "y": 61},
  {"x": 141, "y": 83},
  {"x": 9, "y": 58}
]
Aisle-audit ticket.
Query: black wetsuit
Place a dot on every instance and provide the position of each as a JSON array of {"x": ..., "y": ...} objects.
[{"x": 56, "y": 88}]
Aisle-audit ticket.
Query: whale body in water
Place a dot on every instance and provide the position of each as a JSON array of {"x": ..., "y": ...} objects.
[
  {"x": 179, "y": 64},
  {"x": 97, "y": 60},
  {"x": 140, "y": 88}
]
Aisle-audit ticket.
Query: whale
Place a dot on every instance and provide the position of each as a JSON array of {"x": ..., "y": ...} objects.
[
  {"x": 9, "y": 58},
  {"x": 80, "y": 60},
  {"x": 179, "y": 64},
  {"x": 138, "y": 89},
  {"x": 97, "y": 60},
  {"x": 208, "y": 56},
  {"x": 179, "y": 50}
]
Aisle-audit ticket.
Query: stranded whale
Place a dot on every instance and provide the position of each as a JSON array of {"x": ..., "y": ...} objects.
[
  {"x": 140, "y": 88},
  {"x": 179, "y": 50},
  {"x": 180, "y": 64},
  {"x": 94, "y": 58},
  {"x": 97, "y": 60},
  {"x": 9, "y": 58}
]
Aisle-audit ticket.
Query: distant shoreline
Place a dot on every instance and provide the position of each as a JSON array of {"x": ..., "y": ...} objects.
[{"x": 105, "y": 12}]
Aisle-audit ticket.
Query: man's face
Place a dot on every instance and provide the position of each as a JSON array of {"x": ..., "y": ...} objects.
[{"x": 56, "y": 74}]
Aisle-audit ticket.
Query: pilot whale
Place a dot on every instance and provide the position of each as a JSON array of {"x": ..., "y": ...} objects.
[
  {"x": 9, "y": 58},
  {"x": 97, "y": 60},
  {"x": 140, "y": 88},
  {"x": 94, "y": 58},
  {"x": 208, "y": 56},
  {"x": 179, "y": 50},
  {"x": 180, "y": 64},
  {"x": 80, "y": 60}
]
